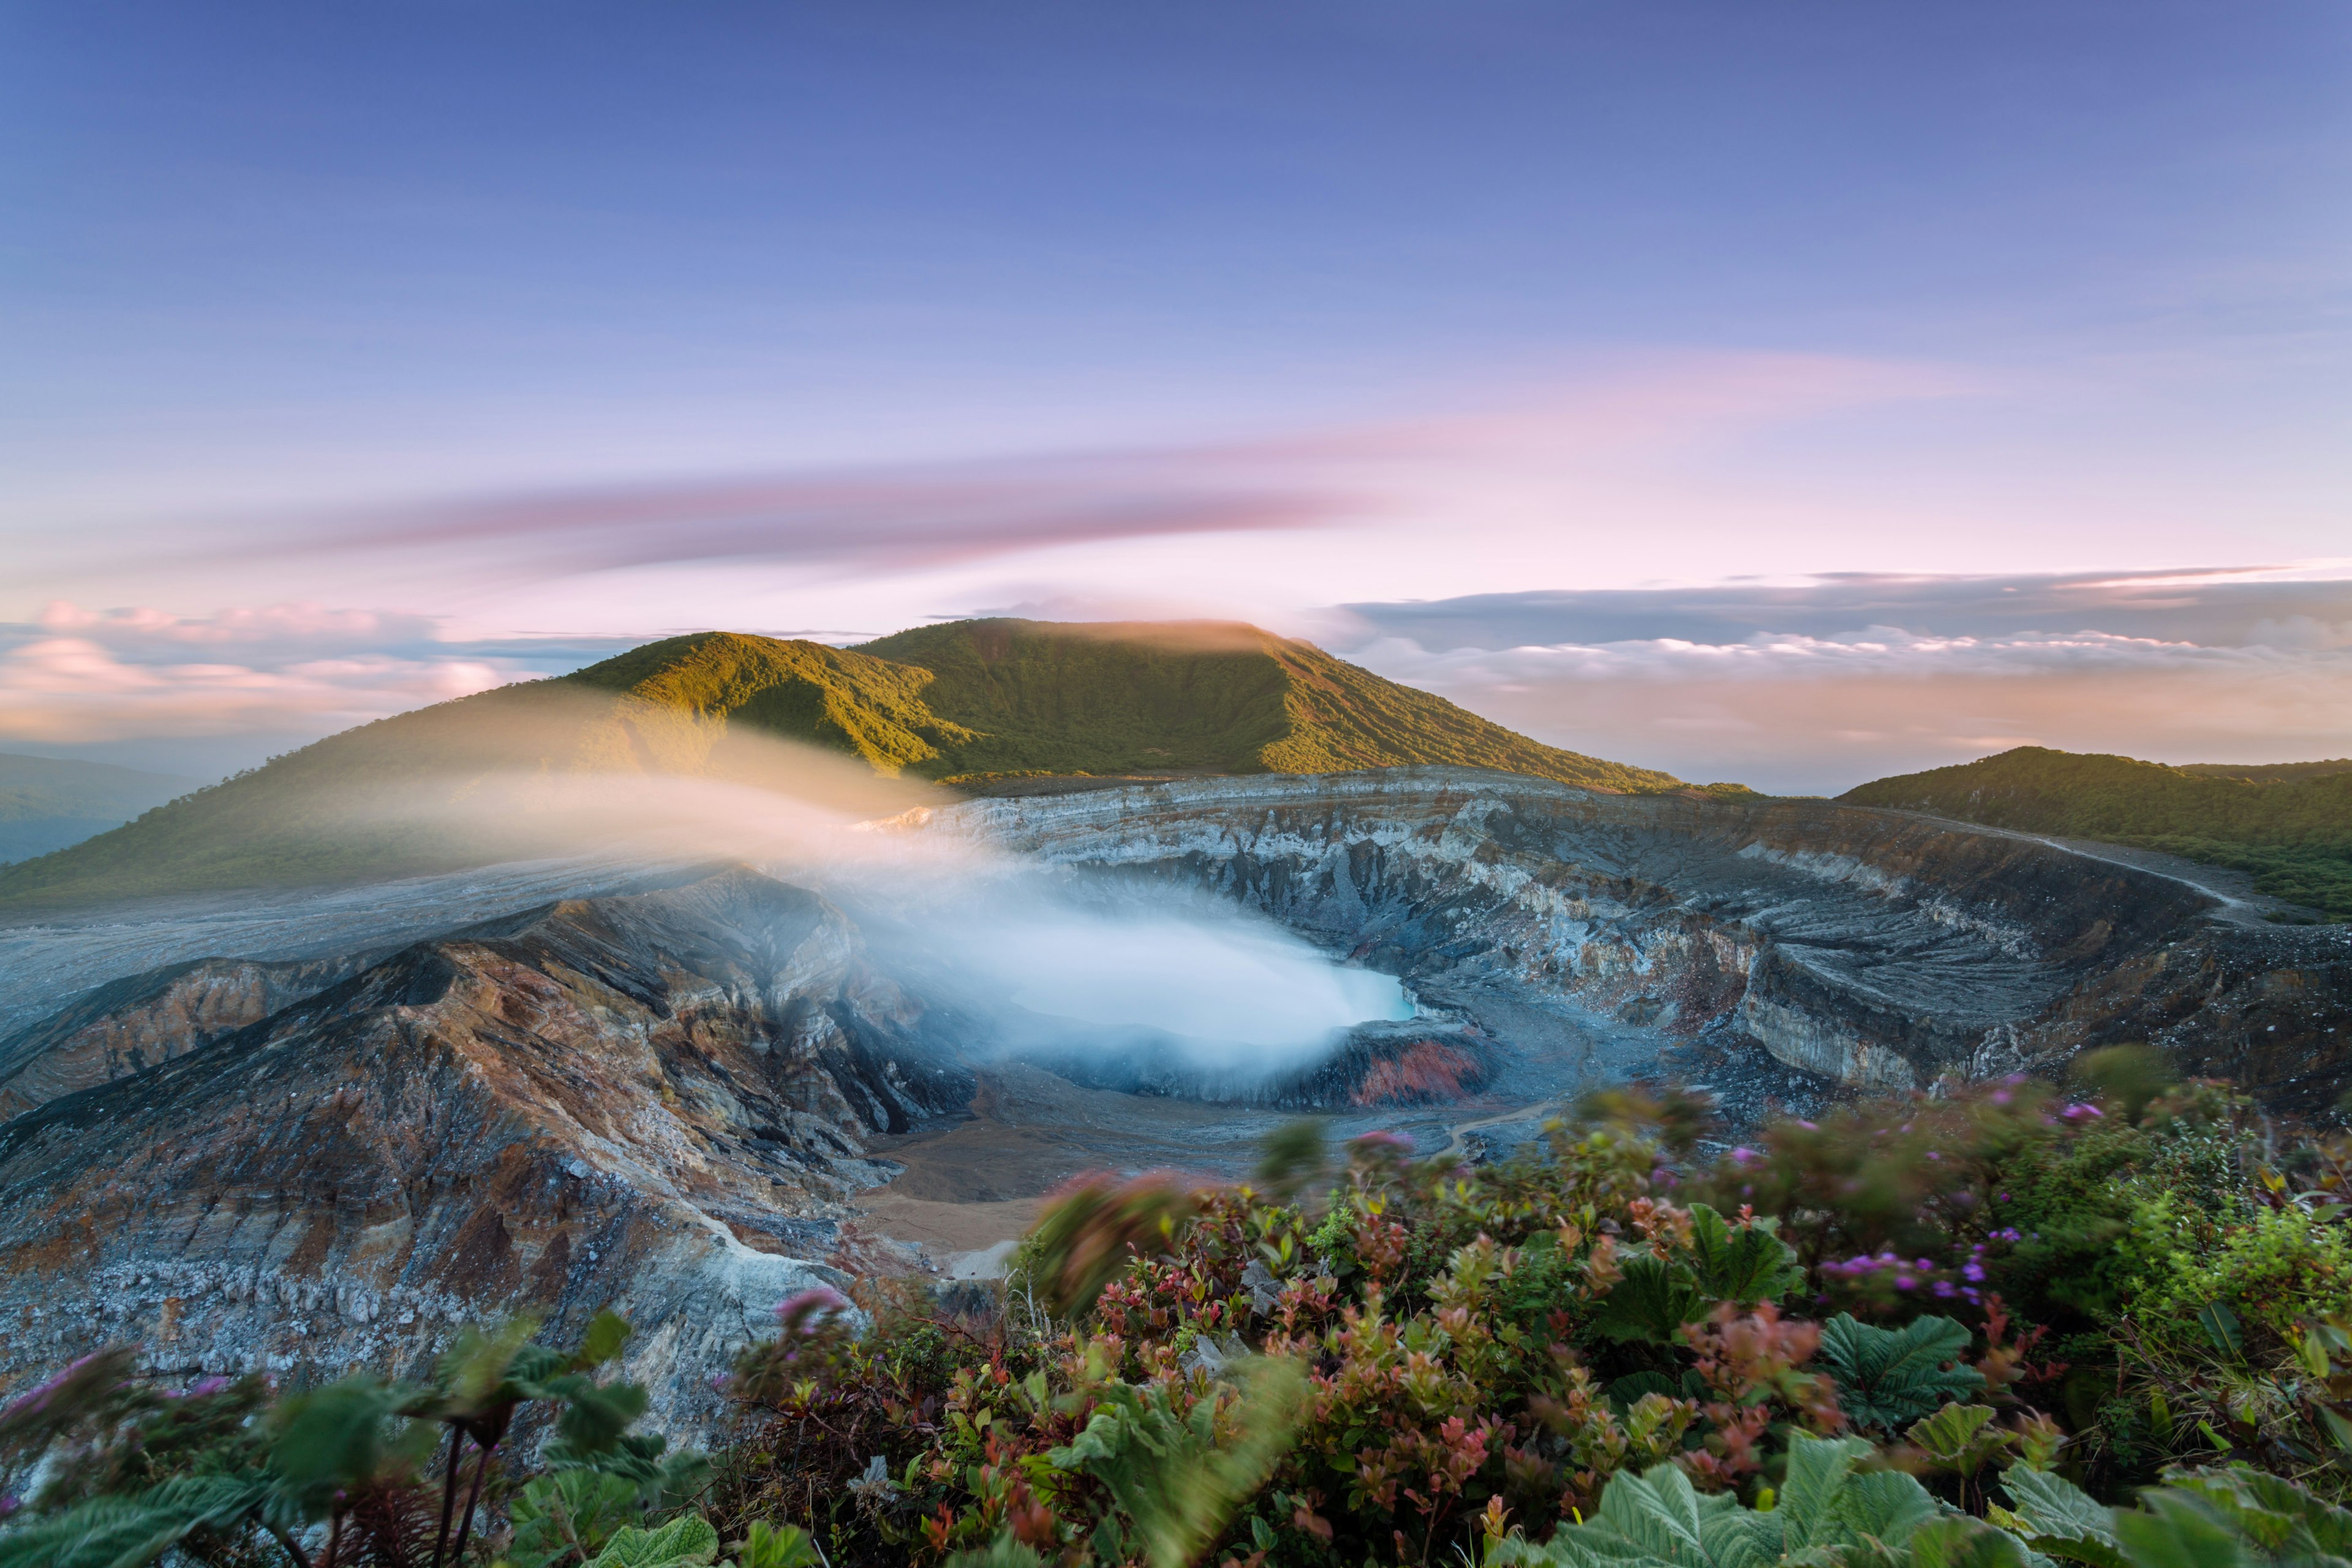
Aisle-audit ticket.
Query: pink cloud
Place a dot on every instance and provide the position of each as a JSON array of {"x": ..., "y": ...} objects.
[{"x": 98, "y": 676}]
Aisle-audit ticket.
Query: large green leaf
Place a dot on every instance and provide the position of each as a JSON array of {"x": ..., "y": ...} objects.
[
  {"x": 1827, "y": 1512},
  {"x": 1961, "y": 1436},
  {"x": 1653, "y": 1300},
  {"x": 1955, "y": 1540},
  {"x": 2175, "y": 1530},
  {"x": 2270, "y": 1511},
  {"x": 1742, "y": 1263},
  {"x": 686, "y": 1542},
  {"x": 2051, "y": 1505},
  {"x": 1819, "y": 1469},
  {"x": 1884, "y": 1506},
  {"x": 1660, "y": 1514},
  {"x": 1888, "y": 1378}
]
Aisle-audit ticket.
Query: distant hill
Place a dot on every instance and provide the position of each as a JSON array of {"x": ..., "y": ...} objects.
[
  {"x": 47, "y": 804},
  {"x": 2290, "y": 825},
  {"x": 1210, "y": 697},
  {"x": 973, "y": 704}
]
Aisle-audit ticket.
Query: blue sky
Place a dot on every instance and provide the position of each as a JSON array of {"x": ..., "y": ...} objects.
[{"x": 829, "y": 317}]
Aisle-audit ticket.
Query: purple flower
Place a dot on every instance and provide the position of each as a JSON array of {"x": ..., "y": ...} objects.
[
  {"x": 1809, "y": 1126},
  {"x": 36, "y": 1400},
  {"x": 801, "y": 1312},
  {"x": 718, "y": 1383},
  {"x": 1903, "y": 1281},
  {"x": 205, "y": 1386},
  {"x": 2079, "y": 1112},
  {"x": 1741, "y": 1155},
  {"x": 1944, "y": 1289},
  {"x": 1973, "y": 1272},
  {"x": 10, "y": 1504},
  {"x": 2003, "y": 1097}
]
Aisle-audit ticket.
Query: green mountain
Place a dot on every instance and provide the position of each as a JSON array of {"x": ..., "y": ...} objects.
[
  {"x": 972, "y": 704},
  {"x": 47, "y": 802},
  {"x": 2290, "y": 825},
  {"x": 1209, "y": 697}
]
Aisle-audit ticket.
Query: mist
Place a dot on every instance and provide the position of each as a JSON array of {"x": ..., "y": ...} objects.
[{"x": 1037, "y": 957}]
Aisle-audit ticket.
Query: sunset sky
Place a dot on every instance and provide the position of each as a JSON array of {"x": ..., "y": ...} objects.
[{"x": 1793, "y": 394}]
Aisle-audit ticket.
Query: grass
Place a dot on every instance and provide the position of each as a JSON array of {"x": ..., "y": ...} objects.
[{"x": 2290, "y": 826}]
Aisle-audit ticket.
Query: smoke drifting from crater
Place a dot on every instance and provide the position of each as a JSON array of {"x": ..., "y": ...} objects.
[{"x": 1018, "y": 946}]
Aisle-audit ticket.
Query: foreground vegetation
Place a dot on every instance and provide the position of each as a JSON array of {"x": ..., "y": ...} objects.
[
  {"x": 2010, "y": 1326},
  {"x": 2290, "y": 827}
]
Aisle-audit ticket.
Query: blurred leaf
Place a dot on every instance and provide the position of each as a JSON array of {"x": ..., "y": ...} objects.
[
  {"x": 1085, "y": 1236},
  {"x": 607, "y": 1332},
  {"x": 563, "y": 1517},
  {"x": 1166, "y": 1472}
]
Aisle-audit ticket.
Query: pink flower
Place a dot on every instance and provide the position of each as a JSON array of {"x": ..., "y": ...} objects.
[
  {"x": 800, "y": 1313},
  {"x": 2079, "y": 1112},
  {"x": 34, "y": 1400}
]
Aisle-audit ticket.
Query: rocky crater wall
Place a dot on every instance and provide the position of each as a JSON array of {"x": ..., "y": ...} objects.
[{"x": 1878, "y": 948}]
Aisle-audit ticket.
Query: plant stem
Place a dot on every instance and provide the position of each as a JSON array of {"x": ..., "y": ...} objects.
[
  {"x": 448, "y": 1494},
  {"x": 473, "y": 1495},
  {"x": 293, "y": 1549}
]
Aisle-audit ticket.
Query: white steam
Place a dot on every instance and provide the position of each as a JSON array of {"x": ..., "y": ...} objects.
[{"x": 1001, "y": 938}]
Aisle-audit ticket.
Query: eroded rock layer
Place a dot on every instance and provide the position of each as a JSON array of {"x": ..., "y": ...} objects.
[{"x": 656, "y": 1103}]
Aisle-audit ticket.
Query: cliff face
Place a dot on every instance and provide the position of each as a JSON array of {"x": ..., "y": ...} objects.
[
  {"x": 1874, "y": 947},
  {"x": 130, "y": 1025},
  {"x": 656, "y": 1103}
]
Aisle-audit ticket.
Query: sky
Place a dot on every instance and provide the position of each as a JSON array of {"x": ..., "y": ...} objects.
[{"x": 1793, "y": 394}]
